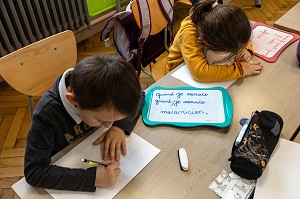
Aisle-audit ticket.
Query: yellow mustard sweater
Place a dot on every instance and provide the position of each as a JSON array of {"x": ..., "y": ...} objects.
[{"x": 185, "y": 48}]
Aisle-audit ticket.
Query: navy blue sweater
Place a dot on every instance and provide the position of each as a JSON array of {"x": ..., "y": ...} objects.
[{"x": 53, "y": 129}]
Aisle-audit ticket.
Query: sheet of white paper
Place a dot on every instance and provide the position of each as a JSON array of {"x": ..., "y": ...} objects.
[
  {"x": 282, "y": 174},
  {"x": 24, "y": 190},
  {"x": 241, "y": 187},
  {"x": 204, "y": 106},
  {"x": 139, "y": 154},
  {"x": 184, "y": 75}
]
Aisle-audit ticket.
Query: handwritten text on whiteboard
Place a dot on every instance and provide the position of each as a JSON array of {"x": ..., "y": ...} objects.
[
  {"x": 193, "y": 106},
  {"x": 268, "y": 41}
]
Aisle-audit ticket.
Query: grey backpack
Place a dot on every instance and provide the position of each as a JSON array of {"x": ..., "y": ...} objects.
[{"x": 135, "y": 44}]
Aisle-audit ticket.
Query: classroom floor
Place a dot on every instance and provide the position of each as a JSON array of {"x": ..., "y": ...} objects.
[{"x": 14, "y": 114}]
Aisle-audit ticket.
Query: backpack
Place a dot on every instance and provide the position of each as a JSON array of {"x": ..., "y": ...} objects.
[{"x": 131, "y": 32}]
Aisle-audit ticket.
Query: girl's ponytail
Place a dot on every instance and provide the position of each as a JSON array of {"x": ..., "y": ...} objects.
[{"x": 200, "y": 10}]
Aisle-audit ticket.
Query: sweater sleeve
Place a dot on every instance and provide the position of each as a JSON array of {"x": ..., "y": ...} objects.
[
  {"x": 40, "y": 173},
  {"x": 128, "y": 123},
  {"x": 196, "y": 61}
]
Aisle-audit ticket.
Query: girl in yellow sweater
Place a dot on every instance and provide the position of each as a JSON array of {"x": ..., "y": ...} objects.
[{"x": 214, "y": 43}]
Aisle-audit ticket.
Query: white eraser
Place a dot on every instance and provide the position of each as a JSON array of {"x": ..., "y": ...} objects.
[{"x": 183, "y": 159}]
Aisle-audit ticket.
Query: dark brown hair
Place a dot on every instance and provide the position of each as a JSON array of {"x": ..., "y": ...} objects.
[
  {"x": 223, "y": 28},
  {"x": 106, "y": 81}
]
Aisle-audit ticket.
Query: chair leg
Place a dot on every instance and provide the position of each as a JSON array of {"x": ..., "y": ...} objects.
[
  {"x": 258, "y": 3},
  {"x": 31, "y": 105},
  {"x": 146, "y": 71},
  {"x": 118, "y": 6},
  {"x": 166, "y": 38}
]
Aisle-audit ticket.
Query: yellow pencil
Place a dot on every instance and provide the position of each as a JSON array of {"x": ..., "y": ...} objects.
[{"x": 94, "y": 163}]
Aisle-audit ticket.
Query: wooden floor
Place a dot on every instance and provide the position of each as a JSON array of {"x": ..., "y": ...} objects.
[{"x": 14, "y": 114}]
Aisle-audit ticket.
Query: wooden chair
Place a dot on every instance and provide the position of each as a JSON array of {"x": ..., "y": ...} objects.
[{"x": 33, "y": 69}]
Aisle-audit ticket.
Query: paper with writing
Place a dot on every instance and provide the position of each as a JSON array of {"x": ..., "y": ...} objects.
[
  {"x": 268, "y": 42},
  {"x": 187, "y": 106},
  {"x": 139, "y": 154},
  {"x": 203, "y": 106}
]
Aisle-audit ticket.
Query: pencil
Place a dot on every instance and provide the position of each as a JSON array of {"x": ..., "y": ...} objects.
[{"x": 94, "y": 163}]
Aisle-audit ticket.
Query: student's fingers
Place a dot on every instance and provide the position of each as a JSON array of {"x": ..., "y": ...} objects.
[
  {"x": 99, "y": 140},
  {"x": 256, "y": 69},
  {"x": 106, "y": 149},
  {"x": 123, "y": 146},
  {"x": 112, "y": 150},
  {"x": 118, "y": 151}
]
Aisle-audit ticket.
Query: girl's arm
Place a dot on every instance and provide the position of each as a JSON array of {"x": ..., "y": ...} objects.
[{"x": 196, "y": 61}]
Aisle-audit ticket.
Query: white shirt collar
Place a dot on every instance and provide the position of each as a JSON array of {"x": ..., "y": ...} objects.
[{"x": 71, "y": 109}]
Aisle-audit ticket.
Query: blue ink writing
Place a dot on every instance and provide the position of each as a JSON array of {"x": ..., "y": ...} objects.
[
  {"x": 189, "y": 112},
  {"x": 193, "y": 102},
  {"x": 197, "y": 94},
  {"x": 159, "y": 95},
  {"x": 179, "y": 95}
]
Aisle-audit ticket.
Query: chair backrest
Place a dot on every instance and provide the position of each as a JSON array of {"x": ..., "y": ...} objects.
[
  {"x": 158, "y": 18},
  {"x": 33, "y": 69}
]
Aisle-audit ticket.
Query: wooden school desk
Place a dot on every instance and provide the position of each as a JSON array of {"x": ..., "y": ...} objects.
[
  {"x": 276, "y": 89},
  {"x": 290, "y": 20}
]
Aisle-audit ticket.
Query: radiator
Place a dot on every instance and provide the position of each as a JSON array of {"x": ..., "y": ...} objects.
[{"x": 23, "y": 22}]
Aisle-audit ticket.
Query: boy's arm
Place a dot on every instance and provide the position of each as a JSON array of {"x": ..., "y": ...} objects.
[
  {"x": 128, "y": 123},
  {"x": 196, "y": 61},
  {"x": 38, "y": 171}
]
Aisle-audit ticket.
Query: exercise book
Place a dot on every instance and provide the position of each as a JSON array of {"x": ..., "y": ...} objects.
[
  {"x": 188, "y": 107},
  {"x": 268, "y": 42}
]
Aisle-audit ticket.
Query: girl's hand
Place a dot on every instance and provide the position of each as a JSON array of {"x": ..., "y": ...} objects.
[
  {"x": 114, "y": 143},
  {"x": 252, "y": 68},
  {"x": 246, "y": 57}
]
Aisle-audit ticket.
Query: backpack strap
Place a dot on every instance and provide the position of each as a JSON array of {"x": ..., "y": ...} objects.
[
  {"x": 145, "y": 22},
  {"x": 167, "y": 8}
]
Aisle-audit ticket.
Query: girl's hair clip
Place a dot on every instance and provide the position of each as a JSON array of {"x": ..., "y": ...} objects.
[{"x": 214, "y": 5}]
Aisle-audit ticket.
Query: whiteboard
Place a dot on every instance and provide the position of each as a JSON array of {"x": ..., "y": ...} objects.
[
  {"x": 268, "y": 42},
  {"x": 188, "y": 106}
]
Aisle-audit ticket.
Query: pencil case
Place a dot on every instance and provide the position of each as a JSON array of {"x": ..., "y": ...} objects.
[{"x": 252, "y": 148}]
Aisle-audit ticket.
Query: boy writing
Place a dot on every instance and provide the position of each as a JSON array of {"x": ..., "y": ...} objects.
[{"x": 99, "y": 91}]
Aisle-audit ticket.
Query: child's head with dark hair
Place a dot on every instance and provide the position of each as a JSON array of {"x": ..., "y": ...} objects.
[
  {"x": 106, "y": 82},
  {"x": 221, "y": 28}
]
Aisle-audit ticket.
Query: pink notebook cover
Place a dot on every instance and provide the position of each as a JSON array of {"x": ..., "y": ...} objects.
[{"x": 268, "y": 42}]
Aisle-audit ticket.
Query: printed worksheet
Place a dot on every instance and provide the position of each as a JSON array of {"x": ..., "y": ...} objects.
[
  {"x": 241, "y": 187},
  {"x": 139, "y": 154}
]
